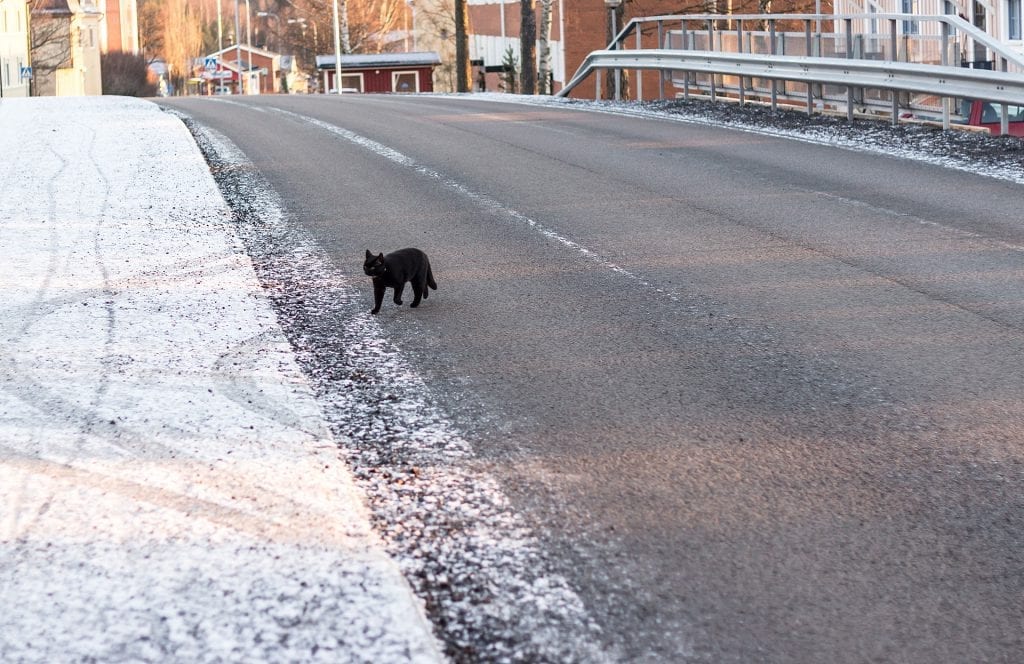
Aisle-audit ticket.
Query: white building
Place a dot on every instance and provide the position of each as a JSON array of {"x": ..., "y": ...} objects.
[
  {"x": 14, "y": 48},
  {"x": 1000, "y": 19}
]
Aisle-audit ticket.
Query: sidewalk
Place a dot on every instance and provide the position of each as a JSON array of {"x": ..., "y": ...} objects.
[{"x": 169, "y": 490}]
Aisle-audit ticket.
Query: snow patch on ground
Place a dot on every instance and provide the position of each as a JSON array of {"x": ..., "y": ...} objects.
[{"x": 169, "y": 488}]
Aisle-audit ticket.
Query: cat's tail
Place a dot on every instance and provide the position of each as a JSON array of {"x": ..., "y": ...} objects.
[{"x": 430, "y": 278}]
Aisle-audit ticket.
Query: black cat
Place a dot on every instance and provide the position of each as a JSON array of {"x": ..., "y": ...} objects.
[{"x": 393, "y": 270}]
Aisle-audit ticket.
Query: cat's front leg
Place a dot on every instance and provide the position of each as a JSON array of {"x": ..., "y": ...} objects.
[
  {"x": 398, "y": 293},
  {"x": 378, "y": 296},
  {"x": 417, "y": 292}
]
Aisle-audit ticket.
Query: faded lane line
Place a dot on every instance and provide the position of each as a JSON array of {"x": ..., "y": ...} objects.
[{"x": 923, "y": 222}]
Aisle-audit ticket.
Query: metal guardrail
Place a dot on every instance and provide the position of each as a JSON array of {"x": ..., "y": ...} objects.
[{"x": 943, "y": 80}]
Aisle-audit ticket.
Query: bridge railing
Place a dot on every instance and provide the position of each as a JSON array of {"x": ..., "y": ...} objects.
[{"x": 880, "y": 62}]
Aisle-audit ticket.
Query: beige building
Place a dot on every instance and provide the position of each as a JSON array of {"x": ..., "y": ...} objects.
[
  {"x": 14, "y": 50},
  {"x": 66, "y": 48}
]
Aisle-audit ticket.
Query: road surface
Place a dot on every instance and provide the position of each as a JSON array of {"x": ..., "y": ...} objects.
[{"x": 760, "y": 400}]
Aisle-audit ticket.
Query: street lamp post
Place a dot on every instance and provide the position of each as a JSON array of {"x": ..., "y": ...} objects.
[
  {"x": 248, "y": 43},
  {"x": 412, "y": 8},
  {"x": 337, "y": 49},
  {"x": 302, "y": 21},
  {"x": 266, "y": 43},
  {"x": 238, "y": 49}
]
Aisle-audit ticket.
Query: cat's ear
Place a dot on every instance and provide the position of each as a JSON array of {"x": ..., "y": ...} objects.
[
  {"x": 368, "y": 255},
  {"x": 381, "y": 257}
]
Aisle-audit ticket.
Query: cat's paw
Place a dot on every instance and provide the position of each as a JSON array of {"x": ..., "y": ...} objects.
[{"x": 374, "y": 311}]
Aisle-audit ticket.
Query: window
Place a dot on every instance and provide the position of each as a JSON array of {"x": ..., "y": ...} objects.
[
  {"x": 907, "y": 7},
  {"x": 352, "y": 82},
  {"x": 1013, "y": 20},
  {"x": 404, "y": 81}
]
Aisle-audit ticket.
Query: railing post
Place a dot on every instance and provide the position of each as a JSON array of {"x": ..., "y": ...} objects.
[
  {"x": 739, "y": 49},
  {"x": 894, "y": 57},
  {"x": 849, "y": 56},
  {"x": 711, "y": 44},
  {"x": 663, "y": 72},
  {"x": 772, "y": 49},
  {"x": 639, "y": 72},
  {"x": 687, "y": 41},
  {"x": 944, "y": 61},
  {"x": 810, "y": 84},
  {"x": 617, "y": 73}
]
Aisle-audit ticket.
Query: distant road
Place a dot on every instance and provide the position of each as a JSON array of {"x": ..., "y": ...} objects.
[{"x": 763, "y": 399}]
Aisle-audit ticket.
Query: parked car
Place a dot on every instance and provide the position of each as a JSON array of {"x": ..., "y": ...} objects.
[
  {"x": 979, "y": 113},
  {"x": 222, "y": 90}
]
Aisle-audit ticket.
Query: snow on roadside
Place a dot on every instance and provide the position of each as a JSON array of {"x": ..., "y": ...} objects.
[{"x": 169, "y": 489}]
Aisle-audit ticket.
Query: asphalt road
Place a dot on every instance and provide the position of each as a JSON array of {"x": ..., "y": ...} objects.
[{"x": 762, "y": 399}]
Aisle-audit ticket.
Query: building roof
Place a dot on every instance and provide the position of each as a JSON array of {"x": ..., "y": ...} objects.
[
  {"x": 365, "y": 61},
  {"x": 244, "y": 47},
  {"x": 52, "y": 7}
]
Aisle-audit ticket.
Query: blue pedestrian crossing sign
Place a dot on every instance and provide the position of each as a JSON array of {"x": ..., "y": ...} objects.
[
  {"x": 26, "y": 73},
  {"x": 210, "y": 64}
]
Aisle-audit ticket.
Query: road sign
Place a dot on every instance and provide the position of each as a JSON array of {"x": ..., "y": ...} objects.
[
  {"x": 210, "y": 64},
  {"x": 26, "y": 73}
]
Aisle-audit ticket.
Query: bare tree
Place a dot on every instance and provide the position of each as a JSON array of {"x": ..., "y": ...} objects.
[
  {"x": 436, "y": 21},
  {"x": 544, "y": 86},
  {"x": 126, "y": 74},
  {"x": 462, "y": 72},
  {"x": 151, "y": 29},
  {"x": 170, "y": 30},
  {"x": 372, "y": 24}
]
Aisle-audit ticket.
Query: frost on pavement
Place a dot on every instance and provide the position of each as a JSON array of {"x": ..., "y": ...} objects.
[{"x": 169, "y": 489}]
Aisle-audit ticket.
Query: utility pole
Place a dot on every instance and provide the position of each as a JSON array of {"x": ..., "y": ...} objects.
[
  {"x": 238, "y": 50},
  {"x": 337, "y": 50},
  {"x": 528, "y": 47},
  {"x": 462, "y": 73}
]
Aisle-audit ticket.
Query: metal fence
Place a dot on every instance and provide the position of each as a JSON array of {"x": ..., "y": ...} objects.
[{"x": 876, "y": 62}]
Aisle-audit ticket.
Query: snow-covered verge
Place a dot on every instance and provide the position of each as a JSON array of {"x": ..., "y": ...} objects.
[{"x": 169, "y": 487}]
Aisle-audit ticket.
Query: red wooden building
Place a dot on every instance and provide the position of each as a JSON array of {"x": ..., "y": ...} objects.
[
  {"x": 258, "y": 68},
  {"x": 380, "y": 72}
]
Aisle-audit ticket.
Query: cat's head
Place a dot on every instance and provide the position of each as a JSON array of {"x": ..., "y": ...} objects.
[{"x": 374, "y": 265}]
